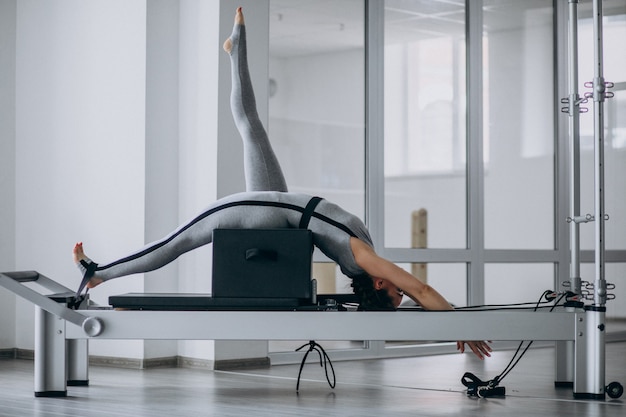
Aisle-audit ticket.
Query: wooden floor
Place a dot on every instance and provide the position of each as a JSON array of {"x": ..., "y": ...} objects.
[{"x": 424, "y": 386}]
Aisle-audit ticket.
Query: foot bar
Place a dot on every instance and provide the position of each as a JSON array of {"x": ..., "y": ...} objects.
[{"x": 13, "y": 281}]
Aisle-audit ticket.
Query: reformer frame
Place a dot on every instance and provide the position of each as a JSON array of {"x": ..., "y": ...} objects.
[{"x": 62, "y": 333}]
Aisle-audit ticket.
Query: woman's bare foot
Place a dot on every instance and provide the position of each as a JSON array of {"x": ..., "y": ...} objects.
[
  {"x": 79, "y": 255},
  {"x": 228, "y": 45}
]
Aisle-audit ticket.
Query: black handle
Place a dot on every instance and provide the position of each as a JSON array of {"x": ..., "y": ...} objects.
[{"x": 256, "y": 254}]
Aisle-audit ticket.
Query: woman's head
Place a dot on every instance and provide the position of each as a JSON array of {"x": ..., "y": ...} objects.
[{"x": 370, "y": 297}]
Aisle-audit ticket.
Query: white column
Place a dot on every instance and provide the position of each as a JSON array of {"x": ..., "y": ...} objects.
[
  {"x": 162, "y": 143},
  {"x": 7, "y": 167}
]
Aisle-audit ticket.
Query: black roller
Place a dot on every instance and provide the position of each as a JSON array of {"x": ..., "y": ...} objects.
[{"x": 614, "y": 389}]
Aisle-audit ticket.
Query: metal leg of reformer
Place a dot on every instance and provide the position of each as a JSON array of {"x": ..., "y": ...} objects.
[
  {"x": 564, "y": 362},
  {"x": 50, "y": 355},
  {"x": 590, "y": 356},
  {"x": 77, "y": 362}
]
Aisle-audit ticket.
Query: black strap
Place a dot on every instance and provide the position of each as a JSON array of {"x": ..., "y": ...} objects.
[
  {"x": 324, "y": 361},
  {"x": 90, "y": 270},
  {"x": 482, "y": 389},
  {"x": 308, "y": 212},
  {"x": 224, "y": 206}
]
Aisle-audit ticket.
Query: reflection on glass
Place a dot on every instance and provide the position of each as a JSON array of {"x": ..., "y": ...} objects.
[
  {"x": 425, "y": 124},
  {"x": 517, "y": 283},
  {"x": 518, "y": 89},
  {"x": 316, "y": 104},
  {"x": 447, "y": 278}
]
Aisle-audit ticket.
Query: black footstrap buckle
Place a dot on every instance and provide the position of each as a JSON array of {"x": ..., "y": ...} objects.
[
  {"x": 482, "y": 389},
  {"x": 324, "y": 361}
]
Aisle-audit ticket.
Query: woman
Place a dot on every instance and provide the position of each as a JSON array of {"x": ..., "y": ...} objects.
[{"x": 340, "y": 235}]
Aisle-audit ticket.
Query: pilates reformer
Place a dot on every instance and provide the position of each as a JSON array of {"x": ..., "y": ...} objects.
[{"x": 62, "y": 333}]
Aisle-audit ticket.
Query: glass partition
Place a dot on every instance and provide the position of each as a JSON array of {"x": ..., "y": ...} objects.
[
  {"x": 517, "y": 283},
  {"x": 316, "y": 116},
  {"x": 425, "y": 125},
  {"x": 518, "y": 90}
]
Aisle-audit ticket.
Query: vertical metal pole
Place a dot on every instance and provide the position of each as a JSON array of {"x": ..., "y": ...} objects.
[
  {"x": 574, "y": 133},
  {"x": 50, "y": 355},
  {"x": 565, "y": 353},
  {"x": 375, "y": 130},
  {"x": 475, "y": 182},
  {"x": 374, "y": 120},
  {"x": 593, "y": 385},
  {"x": 598, "y": 120}
]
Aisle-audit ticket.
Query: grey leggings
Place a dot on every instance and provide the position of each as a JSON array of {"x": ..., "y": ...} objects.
[
  {"x": 266, "y": 204},
  {"x": 262, "y": 170}
]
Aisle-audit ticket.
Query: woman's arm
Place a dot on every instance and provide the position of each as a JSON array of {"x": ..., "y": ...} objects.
[
  {"x": 378, "y": 267},
  {"x": 423, "y": 294}
]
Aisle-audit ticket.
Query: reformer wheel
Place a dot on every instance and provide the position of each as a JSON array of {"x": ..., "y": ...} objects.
[{"x": 614, "y": 389}]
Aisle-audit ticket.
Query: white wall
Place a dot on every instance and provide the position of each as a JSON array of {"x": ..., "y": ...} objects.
[
  {"x": 80, "y": 129},
  {"x": 162, "y": 157},
  {"x": 7, "y": 167}
]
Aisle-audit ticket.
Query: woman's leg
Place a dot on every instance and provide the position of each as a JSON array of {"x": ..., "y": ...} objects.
[
  {"x": 244, "y": 210},
  {"x": 262, "y": 169},
  {"x": 193, "y": 234}
]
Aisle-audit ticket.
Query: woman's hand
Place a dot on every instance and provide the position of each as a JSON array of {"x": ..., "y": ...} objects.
[{"x": 480, "y": 348}]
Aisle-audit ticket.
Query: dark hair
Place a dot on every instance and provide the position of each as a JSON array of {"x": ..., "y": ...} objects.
[{"x": 370, "y": 298}]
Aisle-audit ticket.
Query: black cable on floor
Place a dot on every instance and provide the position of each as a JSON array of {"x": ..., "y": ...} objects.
[{"x": 324, "y": 361}]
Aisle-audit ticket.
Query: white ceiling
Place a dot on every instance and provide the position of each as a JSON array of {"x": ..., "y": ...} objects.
[{"x": 308, "y": 27}]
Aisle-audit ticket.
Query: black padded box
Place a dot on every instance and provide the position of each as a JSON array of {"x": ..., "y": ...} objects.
[{"x": 262, "y": 263}]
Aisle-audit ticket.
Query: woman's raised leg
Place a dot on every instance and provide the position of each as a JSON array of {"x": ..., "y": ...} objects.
[{"x": 262, "y": 169}]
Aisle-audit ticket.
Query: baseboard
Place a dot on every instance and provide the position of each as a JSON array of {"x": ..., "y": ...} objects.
[
  {"x": 132, "y": 363},
  {"x": 179, "y": 362},
  {"x": 194, "y": 363},
  {"x": 8, "y": 353},
  {"x": 166, "y": 362},
  {"x": 248, "y": 363},
  {"x": 28, "y": 354}
]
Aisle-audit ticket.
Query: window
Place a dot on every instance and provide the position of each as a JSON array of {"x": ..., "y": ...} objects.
[{"x": 425, "y": 124}]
